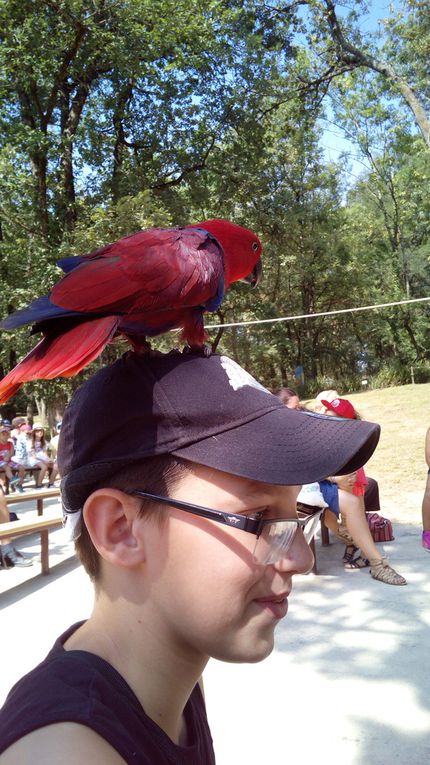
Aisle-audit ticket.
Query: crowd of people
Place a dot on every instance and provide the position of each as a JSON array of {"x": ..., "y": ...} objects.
[{"x": 23, "y": 448}]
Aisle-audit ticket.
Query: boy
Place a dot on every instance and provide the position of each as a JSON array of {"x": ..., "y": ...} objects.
[{"x": 186, "y": 469}]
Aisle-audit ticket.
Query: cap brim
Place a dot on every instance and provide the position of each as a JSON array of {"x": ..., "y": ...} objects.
[{"x": 286, "y": 446}]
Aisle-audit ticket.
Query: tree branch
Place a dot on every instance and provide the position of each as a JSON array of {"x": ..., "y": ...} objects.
[{"x": 354, "y": 57}]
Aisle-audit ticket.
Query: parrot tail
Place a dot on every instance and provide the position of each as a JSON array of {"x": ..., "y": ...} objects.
[{"x": 61, "y": 356}]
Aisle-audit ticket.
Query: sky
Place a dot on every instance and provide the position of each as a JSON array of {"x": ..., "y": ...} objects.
[{"x": 333, "y": 139}]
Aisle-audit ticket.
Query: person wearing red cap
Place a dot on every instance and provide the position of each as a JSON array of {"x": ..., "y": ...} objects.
[
  {"x": 344, "y": 496},
  {"x": 183, "y": 508}
]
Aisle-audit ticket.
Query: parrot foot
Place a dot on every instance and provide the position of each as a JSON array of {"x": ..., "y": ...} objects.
[
  {"x": 202, "y": 350},
  {"x": 140, "y": 345}
]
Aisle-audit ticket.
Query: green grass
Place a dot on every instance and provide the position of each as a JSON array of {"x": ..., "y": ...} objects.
[{"x": 398, "y": 463}]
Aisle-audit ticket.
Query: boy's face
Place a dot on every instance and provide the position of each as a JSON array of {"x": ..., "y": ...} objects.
[{"x": 207, "y": 591}]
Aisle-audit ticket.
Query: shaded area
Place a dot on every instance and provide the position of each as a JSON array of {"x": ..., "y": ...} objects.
[{"x": 347, "y": 682}]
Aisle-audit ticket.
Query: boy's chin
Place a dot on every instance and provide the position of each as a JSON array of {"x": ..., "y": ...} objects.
[{"x": 250, "y": 654}]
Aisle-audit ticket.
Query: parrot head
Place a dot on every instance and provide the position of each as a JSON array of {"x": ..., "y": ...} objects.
[{"x": 242, "y": 250}]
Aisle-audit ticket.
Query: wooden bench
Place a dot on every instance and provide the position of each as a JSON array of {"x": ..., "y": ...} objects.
[
  {"x": 30, "y": 471},
  {"x": 41, "y": 523},
  {"x": 38, "y": 494}
]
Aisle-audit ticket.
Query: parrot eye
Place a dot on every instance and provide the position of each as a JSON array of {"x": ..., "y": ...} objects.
[{"x": 255, "y": 246}]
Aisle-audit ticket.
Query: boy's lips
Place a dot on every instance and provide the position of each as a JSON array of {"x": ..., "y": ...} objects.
[{"x": 276, "y": 604}]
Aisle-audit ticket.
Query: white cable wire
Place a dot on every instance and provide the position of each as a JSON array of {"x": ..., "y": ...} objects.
[{"x": 314, "y": 315}]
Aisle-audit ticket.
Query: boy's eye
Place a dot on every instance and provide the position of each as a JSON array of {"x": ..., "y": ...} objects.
[{"x": 256, "y": 515}]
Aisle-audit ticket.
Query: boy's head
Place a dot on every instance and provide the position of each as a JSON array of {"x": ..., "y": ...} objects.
[
  {"x": 4, "y": 432},
  {"x": 207, "y": 411}
]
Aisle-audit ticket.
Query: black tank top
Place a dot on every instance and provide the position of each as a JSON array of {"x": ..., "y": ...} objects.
[{"x": 80, "y": 687}]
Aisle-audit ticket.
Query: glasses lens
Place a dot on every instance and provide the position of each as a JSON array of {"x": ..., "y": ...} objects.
[
  {"x": 274, "y": 541},
  {"x": 277, "y": 537}
]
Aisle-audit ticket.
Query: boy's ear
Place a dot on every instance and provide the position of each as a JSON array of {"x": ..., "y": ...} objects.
[{"x": 110, "y": 517}]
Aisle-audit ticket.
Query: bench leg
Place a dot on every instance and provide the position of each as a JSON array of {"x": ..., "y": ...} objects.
[
  {"x": 44, "y": 545},
  {"x": 325, "y": 537},
  {"x": 313, "y": 548}
]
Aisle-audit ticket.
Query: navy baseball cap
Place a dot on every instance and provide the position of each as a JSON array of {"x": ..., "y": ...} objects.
[{"x": 206, "y": 410}]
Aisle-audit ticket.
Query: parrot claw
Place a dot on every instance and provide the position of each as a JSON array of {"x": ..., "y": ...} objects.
[
  {"x": 202, "y": 350},
  {"x": 139, "y": 344}
]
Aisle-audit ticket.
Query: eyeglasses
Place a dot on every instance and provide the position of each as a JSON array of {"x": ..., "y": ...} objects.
[{"x": 274, "y": 536}]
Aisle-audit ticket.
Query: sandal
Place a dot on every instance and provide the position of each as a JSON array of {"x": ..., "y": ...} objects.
[
  {"x": 357, "y": 563},
  {"x": 350, "y": 551},
  {"x": 381, "y": 570}
]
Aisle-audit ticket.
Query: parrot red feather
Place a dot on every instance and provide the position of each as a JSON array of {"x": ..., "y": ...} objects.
[{"x": 139, "y": 286}]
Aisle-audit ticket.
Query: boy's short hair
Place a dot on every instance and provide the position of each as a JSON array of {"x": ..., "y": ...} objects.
[
  {"x": 156, "y": 475},
  {"x": 209, "y": 411}
]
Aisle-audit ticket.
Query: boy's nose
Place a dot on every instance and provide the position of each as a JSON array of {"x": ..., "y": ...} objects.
[{"x": 299, "y": 558}]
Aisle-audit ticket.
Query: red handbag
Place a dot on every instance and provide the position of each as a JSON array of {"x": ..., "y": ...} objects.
[{"x": 381, "y": 528}]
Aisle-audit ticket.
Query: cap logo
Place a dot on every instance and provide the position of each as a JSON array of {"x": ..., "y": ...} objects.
[
  {"x": 335, "y": 403},
  {"x": 238, "y": 377}
]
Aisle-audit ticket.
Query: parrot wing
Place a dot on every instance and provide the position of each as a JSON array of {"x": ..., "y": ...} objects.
[{"x": 153, "y": 270}]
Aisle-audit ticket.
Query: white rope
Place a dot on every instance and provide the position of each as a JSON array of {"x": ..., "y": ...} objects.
[{"x": 314, "y": 315}]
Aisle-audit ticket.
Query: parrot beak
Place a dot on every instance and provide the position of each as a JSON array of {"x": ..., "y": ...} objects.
[{"x": 254, "y": 277}]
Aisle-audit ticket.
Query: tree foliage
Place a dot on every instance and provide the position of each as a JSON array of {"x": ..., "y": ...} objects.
[{"x": 120, "y": 116}]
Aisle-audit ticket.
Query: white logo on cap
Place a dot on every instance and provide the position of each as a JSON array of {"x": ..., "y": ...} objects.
[{"x": 238, "y": 377}]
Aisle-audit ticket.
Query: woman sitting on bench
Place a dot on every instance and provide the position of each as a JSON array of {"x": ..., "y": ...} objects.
[{"x": 345, "y": 496}]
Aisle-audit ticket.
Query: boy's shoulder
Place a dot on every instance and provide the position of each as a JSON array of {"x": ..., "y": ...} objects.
[
  {"x": 66, "y": 687},
  {"x": 80, "y": 689},
  {"x": 76, "y": 743}
]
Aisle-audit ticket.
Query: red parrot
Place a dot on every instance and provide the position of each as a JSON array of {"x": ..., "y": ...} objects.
[{"x": 139, "y": 286}]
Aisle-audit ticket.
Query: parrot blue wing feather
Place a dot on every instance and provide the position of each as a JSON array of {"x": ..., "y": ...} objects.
[
  {"x": 40, "y": 309},
  {"x": 214, "y": 303},
  {"x": 69, "y": 264}
]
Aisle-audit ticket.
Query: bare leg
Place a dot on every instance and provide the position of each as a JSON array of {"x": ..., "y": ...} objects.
[
  {"x": 21, "y": 476},
  {"x": 4, "y": 514},
  {"x": 352, "y": 509},
  {"x": 43, "y": 467},
  {"x": 426, "y": 506},
  {"x": 337, "y": 528},
  {"x": 53, "y": 470}
]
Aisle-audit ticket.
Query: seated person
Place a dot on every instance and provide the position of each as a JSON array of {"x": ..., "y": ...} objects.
[
  {"x": 16, "y": 428},
  {"x": 6, "y": 454},
  {"x": 53, "y": 447},
  {"x": 345, "y": 496},
  {"x": 39, "y": 452},
  {"x": 371, "y": 488},
  {"x": 25, "y": 457},
  {"x": 288, "y": 397}
]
